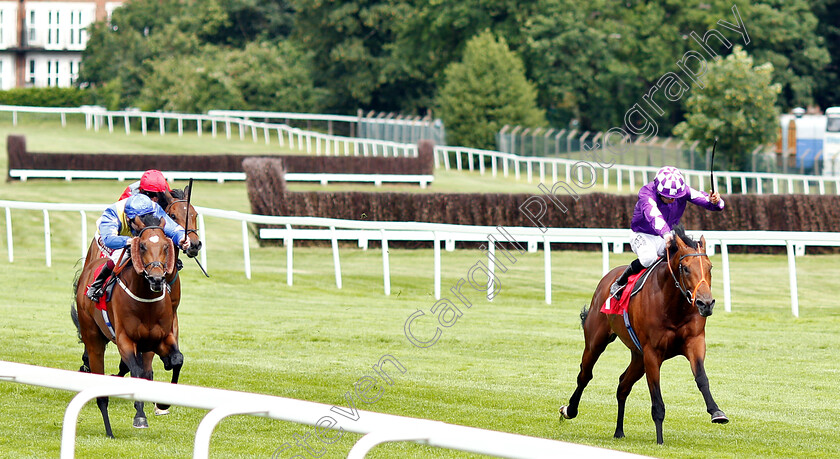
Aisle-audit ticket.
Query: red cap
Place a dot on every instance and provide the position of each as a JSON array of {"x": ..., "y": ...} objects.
[{"x": 153, "y": 180}]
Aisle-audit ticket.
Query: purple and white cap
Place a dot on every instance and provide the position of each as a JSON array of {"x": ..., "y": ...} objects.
[{"x": 669, "y": 183}]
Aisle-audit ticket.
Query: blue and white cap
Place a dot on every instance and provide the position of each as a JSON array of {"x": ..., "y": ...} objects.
[{"x": 139, "y": 204}]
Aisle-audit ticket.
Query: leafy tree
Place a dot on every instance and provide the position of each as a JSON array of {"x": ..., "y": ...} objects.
[
  {"x": 263, "y": 76},
  {"x": 737, "y": 106},
  {"x": 828, "y": 27},
  {"x": 349, "y": 41},
  {"x": 485, "y": 91}
]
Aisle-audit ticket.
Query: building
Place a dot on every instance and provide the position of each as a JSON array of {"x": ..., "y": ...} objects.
[{"x": 41, "y": 41}]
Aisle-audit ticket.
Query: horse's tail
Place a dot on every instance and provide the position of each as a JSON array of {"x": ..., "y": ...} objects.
[
  {"x": 74, "y": 314},
  {"x": 583, "y": 314}
]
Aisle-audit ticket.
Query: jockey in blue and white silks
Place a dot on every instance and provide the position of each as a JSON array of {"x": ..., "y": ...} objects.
[
  {"x": 115, "y": 230},
  {"x": 660, "y": 206}
]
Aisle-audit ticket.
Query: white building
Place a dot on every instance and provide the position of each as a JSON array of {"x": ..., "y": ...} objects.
[{"x": 41, "y": 41}]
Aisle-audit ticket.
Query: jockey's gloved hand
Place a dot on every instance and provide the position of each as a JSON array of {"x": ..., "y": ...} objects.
[
  {"x": 185, "y": 244},
  {"x": 668, "y": 238}
]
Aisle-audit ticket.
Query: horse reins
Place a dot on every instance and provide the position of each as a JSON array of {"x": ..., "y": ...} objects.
[{"x": 691, "y": 296}]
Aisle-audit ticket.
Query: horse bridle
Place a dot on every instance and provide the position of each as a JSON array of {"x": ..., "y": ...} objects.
[
  {"x": 691, "y": 296},
  {"x": 155, "y": 263},
  {"x": 186, "y": 231}
]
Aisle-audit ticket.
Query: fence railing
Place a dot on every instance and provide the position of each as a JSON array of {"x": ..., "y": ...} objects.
[
  {"x": 447, "y": 235},
  {"x": 574, "y": 144},
  {"x": 554, "y": 169},
  {"x": 221, "y": 177},
  {"x": 317, "y": 143},
  {"x": 377, "y": 428}
]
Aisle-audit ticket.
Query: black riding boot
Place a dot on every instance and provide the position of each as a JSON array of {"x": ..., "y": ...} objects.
[
  {"x": 97, "y": 288},
  {"x": 635, "y": 267}
]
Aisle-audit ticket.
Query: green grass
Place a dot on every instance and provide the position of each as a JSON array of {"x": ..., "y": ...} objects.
[{"x": 505, "y": 365}]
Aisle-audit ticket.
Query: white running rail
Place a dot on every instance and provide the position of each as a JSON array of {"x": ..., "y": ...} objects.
[
  {"x": 446, "y": 235},
  {"x": 377, "y": 428}
]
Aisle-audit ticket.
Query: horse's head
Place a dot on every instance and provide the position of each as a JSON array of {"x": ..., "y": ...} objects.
[
  {"x": 177, "y": 207},
  {"x": 692, "y": 270},
  {"x": 152, "y": 252}
]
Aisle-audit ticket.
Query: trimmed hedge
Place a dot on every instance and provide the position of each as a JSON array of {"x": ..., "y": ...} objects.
[
  {"x": 593, "y": 210},
  {"x": 20, "y": 158},
  {"x": 47, "y": 97}
]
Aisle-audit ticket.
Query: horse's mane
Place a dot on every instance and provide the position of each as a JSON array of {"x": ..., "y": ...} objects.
[
  {"x": 178, "y": 194},
  {"x": 679, "y": 232}
]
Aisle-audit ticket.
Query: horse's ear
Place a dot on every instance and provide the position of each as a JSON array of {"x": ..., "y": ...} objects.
[
  {"x": 679, "y": 241},
  {"x": 170, "y": 256},
  {"x": 703, "y": 243},
  {"x": 162, "y": 221},
  {"x": 136, "y": 258}
]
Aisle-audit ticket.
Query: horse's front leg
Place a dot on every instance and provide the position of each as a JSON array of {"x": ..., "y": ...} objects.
[
  {"x": 137, "y": 366},
  {"x": 653, "y": 365},
  {"x": 695, "y": 352},
  {"x": 172, "y": 359}
]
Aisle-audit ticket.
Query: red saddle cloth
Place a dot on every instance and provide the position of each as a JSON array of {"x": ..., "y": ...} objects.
[
  {"x": 611, "y": 306},
  {"x": 101, "y": 303}
]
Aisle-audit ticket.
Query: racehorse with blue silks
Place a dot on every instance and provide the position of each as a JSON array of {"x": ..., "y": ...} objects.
[{"x": 666, "y": 318}]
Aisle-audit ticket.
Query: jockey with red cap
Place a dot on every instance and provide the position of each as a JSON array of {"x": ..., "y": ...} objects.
[
  {"x": 116, "y": 227},
  {"x": 660, "y": 206},
  {"x": 151, "y": 183}
]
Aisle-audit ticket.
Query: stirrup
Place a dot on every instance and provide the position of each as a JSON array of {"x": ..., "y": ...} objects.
[{"x": 615, "y": 288}]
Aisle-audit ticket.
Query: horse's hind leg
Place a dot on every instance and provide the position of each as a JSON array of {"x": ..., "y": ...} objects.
[
  {"x": 597, "y": 334},
  {"x": 633, "y": 373}
]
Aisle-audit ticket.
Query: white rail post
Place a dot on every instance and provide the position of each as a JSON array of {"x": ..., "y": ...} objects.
[
  {"x": 437, "y": 265},
  {"x": 336, "y": 260},
  {"x": 246, "y": 249},
  {"x": 71, "y": 416},
  {"x": 84, "y": 233},
  {"x": 547, "y": 246},
  {"x": 47, "y": 246},
  {"x": 9, "y": 243},
  {"x": 727, "y": 294},
  {"x": 492, "y": 267},
  {"x": 201, "y": 448},
  {"x": 386, "y": 269},
  {"x": 794, "y": 299},
  {"x": 289, "y": 243},
  {"x": 605, "y": 257},
  {"x": 202, "y": 236}
]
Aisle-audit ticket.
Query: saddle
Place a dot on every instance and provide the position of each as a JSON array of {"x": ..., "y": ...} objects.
[{"x": 635, "y": 284}]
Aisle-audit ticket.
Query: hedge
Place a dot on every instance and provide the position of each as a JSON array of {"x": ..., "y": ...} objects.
[
  {"x": 46, "y": 97},
  {"x": 592, "y": 210},
  {"x": 20, "y": 158}
]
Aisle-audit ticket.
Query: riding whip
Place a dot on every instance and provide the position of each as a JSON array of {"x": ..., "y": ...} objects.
[{"x": 711, "y": 167}]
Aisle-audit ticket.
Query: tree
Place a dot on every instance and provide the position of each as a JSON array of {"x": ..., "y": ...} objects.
[
  {"x": 485, "y": 91},
  {"x": 737, "y": 106}
]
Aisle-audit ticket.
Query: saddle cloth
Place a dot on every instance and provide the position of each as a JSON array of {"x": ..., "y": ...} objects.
[{"x": 109, "y": 289}]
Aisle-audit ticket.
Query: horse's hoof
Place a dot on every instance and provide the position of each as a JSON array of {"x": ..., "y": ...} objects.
[
  {"x": 141, "y": 423},
  {"x": 564, "y": 413},
  {"x": 619, "y": 435},
  {"x": 161, "y": 411},
  {"x": 719, "y": 418}
]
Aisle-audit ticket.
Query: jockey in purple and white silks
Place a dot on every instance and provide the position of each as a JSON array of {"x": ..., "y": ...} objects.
[{"x": 660, "y": 206}]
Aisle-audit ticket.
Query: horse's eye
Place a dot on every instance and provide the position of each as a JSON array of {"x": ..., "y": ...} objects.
[
  {"x": 685, "y": 269},
  {"x": 172, "y": 216},
  {"x": 142, "y": 246}
]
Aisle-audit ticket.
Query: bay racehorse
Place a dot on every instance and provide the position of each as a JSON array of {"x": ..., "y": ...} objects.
[
  {"x": 669, "y": 318},
  {"x": 140, "y": 312},
  {"x": 177, "y": 205}
]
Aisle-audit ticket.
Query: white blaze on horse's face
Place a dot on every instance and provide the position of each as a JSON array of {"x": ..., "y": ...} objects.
[{"x": 154, "y": 239}]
